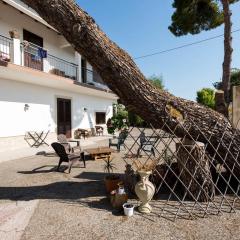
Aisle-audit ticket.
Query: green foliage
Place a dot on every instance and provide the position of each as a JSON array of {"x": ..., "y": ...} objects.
[
  {"x": 109, "y": 165},
  {"x": 122, "y": 119},
  {"x": 135, "y": 120},
  {"x": 119, "y": 120},
  {"x": 234, "y": 79},
  {"x": 157, "y": 81},
  {"x": 194, "y": 16},
  {"x": 206, "y": 97}
]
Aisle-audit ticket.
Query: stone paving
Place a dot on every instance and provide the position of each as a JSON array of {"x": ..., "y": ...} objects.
[{"x": 45, "y": 204}]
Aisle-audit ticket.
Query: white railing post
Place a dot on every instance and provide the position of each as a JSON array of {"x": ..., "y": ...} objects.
[
  {"x": 16, "y": 47},
  {"x": 79, "y": 63}
]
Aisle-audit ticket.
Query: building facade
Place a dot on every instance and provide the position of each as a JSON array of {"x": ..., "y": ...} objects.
[{"x": 46, "y": 85}]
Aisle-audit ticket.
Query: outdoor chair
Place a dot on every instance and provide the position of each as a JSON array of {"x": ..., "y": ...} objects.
[
  {"x": 64, "y": 157},
  {"x": 82, "y": 132},
  {"x": 62, "y": 139},
  {"x": 99, "y": 130},
  {"x": 118, "y": 141},
  {"x": 147, "y": 144}
]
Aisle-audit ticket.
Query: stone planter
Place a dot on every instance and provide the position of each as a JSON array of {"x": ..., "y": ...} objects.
[{"x": 145, "y": 191}]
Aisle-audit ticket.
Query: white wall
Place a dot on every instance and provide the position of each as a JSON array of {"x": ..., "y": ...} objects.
[{"x": 42, "y": 113}]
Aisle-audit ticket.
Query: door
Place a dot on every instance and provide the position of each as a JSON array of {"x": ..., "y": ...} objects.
[
  {"x": 64, "y": 119},
  {"x": 31, "y": 58}
]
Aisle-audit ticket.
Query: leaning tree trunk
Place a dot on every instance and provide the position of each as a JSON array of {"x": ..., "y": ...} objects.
[
  {"x": 194, "y": 166},
  {"x": 124, "y": 78},
  {"x": 227, "y": 49}
]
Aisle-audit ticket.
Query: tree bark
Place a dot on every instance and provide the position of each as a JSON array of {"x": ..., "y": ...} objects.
[
  {"x": 124, "y": 78},
  {"x": 195, "y": 171},
  {"x": 227, "y": 49}
]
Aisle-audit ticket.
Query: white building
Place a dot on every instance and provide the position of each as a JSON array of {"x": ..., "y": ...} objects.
[{"x": 46, "y": 84}]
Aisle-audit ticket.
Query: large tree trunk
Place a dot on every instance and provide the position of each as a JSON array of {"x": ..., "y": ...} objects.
[
  {"x": 227, "y": 49},
  {"x": 124, "y": 78}
]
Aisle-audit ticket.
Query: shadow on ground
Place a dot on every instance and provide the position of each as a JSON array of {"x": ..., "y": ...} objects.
[{"x": 90, "y": 191}]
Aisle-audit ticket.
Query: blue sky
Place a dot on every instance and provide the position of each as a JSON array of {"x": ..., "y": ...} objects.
[{"x": 141, "y": 27}]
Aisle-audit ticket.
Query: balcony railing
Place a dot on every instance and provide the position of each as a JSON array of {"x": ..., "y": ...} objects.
[
  {"x": 50, "y": 64},
  {"x": 31, "y": 57},
  {"x": 6, "y": 46},
  {"x": 91, "y": 77}
]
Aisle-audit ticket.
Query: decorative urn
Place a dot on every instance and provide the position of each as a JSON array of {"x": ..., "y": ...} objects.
[{"x": 145, "y": 191}]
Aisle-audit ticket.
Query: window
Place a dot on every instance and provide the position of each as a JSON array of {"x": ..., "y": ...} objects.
[
  {"x": 100, "y": 117},
  {"x": 84, "y": 70}
]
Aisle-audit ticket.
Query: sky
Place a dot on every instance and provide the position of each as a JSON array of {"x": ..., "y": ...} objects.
[{"x": 141, "y": 28}]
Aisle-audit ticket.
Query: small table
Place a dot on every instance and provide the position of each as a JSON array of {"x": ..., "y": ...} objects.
[
  {"x": 37, "y": 137},
  {"x": 100, "y": 152},
  {"x": 75, "y": 141}
]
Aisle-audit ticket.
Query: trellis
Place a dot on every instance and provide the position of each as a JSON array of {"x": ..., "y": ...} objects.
[{"x": 190, "y": 182}]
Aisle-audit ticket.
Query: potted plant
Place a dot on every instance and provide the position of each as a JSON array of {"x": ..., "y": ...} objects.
[{"x": 111, "y": 180}]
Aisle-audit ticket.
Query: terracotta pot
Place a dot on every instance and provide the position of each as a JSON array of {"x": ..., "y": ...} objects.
[
  {"x": 145, "y": 191},
  {"x": 111, "y": 182}
]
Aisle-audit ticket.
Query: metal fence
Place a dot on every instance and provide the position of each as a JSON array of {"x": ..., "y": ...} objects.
[
  {"x": 190, "y": 183},
  {"x": 6, "y": 45}
]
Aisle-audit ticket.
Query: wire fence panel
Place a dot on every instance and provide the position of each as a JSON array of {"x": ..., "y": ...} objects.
[{"x": 190, "y": 183}]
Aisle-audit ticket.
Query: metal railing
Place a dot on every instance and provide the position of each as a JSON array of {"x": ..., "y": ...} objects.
[
  {"x": 62, "y": 67},
  {"x": 31, "y": 57},
  {"x": 5, "y": 48},
  {"x": 52, "y": 64},
  {"x": 91, "y": 77}
]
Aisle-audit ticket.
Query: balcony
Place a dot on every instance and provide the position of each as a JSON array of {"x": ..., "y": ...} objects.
[
  {"x": 6, "y": 48},
  {"x": 30, "y": 56}
]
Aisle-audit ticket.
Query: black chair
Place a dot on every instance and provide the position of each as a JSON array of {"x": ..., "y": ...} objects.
[
  {"x": 147, "y": 144},
  {"x": 118, "y": 141},
  {"x": 64, "y": 157}
]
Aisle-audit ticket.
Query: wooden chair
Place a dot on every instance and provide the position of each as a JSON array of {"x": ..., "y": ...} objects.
[
  {"x": 64, "y": 157},
  {"x": 62, "y": 139},
  {"x": 119, "y": 141},
  {"x": 99, "y": 130}
]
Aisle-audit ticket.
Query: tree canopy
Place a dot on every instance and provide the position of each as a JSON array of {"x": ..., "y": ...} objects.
[{"x": 193, "y": 16}]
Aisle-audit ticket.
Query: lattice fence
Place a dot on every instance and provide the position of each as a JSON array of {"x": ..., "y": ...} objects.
[{"x": 190, "y": 183}]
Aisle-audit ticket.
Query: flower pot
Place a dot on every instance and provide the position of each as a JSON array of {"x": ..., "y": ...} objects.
[
  {"x": 111, "y": 182},
  {"x": 128, "y": 209},
  {"x": 145, "y": 191}
]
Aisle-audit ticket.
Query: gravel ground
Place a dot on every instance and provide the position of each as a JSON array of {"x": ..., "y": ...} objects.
[{"x": 74, "y": 206}]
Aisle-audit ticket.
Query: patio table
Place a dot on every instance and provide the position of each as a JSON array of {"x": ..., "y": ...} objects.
[{"x": 100, "y": 152}]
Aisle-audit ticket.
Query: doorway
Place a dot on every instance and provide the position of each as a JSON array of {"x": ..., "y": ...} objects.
[{"x": 64, "y": 117}]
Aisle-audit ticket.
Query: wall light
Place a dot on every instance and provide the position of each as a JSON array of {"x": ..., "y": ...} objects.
[
  {"x": 85, "y": 109},
  {"x": 26, "y": 107}
]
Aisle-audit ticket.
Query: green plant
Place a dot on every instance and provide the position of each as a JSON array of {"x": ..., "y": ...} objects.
[
  {"x": 109, "y": 165},
  {"x": 157, "y": 81},
  {"x": 119, "y": 120},
  {"x": 206, "y": 97},
  {"x": 135, "y": 120}
]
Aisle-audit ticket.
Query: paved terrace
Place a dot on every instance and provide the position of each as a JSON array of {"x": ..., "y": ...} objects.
[{"x": 44, "y": 204}]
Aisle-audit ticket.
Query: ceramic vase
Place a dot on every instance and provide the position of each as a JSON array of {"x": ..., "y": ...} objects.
[{"x": 145, "y": 191}]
